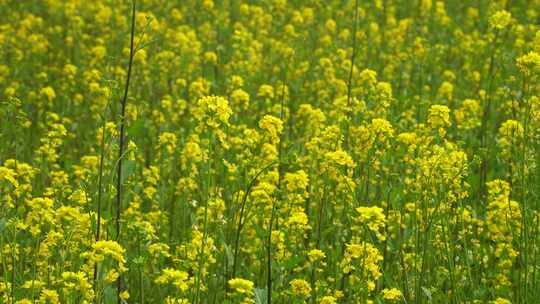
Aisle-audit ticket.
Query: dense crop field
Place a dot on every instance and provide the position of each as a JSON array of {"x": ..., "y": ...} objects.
[{"x": 276, "y": 151}]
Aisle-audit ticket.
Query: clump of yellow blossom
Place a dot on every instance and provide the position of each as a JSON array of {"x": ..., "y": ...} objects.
[
  {"x": 529, "y": 63},
  {"x": 273, "y": 126},
  {"x": 392, "y": 294},
  {"x": 300, "y": 287},
  {"x": 373, "y": 218},
  {"x": 500, "y": 19},
  {"x": 177, "y": 278},
  {"x": 213, "y": 111}
]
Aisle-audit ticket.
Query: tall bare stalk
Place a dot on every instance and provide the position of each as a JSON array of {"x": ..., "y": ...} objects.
[
  {"x": 351, "y": 70},
  {"x": 121, "y": 140},
  {"x": 353, "y": 55},
  {"x": 100, "y": 194},
  {"x": 274, "y": 207}
]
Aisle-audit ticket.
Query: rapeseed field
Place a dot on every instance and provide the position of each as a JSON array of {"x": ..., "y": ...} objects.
[{"x": 269, "y": 151}]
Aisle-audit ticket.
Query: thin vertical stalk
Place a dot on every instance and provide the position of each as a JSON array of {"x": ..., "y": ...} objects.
[
  {"x": 208, "y": 195},
  {"x": 121, "y": 141},
  {"x": 484, "y": 166},
  {"x": 273, "y": 215},
  {"x": 523, "y": 195},
  {"x": 100, "y": 193},
  {"x": 353, "y": 55},
  {"x": 241, "y": 216},
  {"x": 269, "y": 257},
  {"x": 351, "y": 70}
]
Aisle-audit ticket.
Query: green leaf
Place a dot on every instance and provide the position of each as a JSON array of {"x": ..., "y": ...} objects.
[
  {"x": 128, "y": 167},
  {"x": 136, "y": 128},
  {"x": 109, "y": 294},
  {"x": 260, "y": 295},
  {"x": 230, "y": 257},
  {"x": 427, "y": 292},
  {"x": 293, "y": 262},
  {"x": 2, "y": 224}
]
